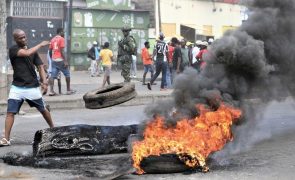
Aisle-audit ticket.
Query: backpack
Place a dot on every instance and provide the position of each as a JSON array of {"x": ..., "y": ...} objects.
[{"x": 91, "y": 53}]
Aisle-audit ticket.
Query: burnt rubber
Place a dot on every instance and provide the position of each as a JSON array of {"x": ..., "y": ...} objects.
[
  {"x": 109, "y": 96},
  {"x": 82, "y": 139},
  {"x": 163, "y": 164}
]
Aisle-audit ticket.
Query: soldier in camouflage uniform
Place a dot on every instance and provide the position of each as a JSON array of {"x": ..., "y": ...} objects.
[{"x": 126, "y": 48}]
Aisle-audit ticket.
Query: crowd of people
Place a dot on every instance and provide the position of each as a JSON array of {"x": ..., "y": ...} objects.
[
  {"x": 171, "y": 58},
  {"x": 168, "y": 58}
]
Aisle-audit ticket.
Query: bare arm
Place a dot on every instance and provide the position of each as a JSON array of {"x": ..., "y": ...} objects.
[
  {"x": 29, "y": 52},
  {"x": 50, "y": 53},
  {"x": 154, "y": 53},
  {"x": 112, "y": 58},
  {"x": 64, "y": 56}
]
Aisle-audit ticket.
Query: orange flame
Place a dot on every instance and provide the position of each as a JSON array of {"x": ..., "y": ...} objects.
[{"x": 196, "y": 138}]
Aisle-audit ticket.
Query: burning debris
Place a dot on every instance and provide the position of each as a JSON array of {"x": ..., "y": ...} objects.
[
  {"x": 193, "y": 140},
  {"x": 254, "y": 61}
]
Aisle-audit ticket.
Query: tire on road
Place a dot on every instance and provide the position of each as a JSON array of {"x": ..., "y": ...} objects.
[
  {"x": 163, "y": 164},
  {"x": 109, "y": 96}
]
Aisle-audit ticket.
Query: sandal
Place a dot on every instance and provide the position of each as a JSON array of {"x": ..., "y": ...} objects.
[
  {"x": 70, "y": 92},
  {"x": 4, "y": 142}
]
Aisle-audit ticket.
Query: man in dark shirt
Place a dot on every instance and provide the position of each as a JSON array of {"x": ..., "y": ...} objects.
[
  {"x": 177, "y": 58},
  {"x": 25, "y": 84},
  {"x": 161, "y": 53}
]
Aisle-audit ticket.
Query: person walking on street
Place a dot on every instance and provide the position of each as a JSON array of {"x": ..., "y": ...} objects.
[
  {"x": 184, "y": 54},
  {"x": 161, "y": 53},
  {"x": 195, "y": 52},
  {"x": 106, "y": 57},
  {"x": 93, "y": 55},
  {"x": 49, "y": 71},
  {"x": 25, "y": 84},
  {"x": 169, "y": 66},
  {"x": 59, "y": 61},
  {"x": 147, "y": 61},
  {"x": 133, "y": 70},
  {"x": 177, "y": 58},
  {"x": 126, "y": 48},
  {"x": 189, "y": 46}
]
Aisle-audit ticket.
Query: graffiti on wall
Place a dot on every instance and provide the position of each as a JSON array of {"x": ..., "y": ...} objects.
[
  {"x": 110, "y": 19},
  {"x": 81, "y": 44},
  {"x": 82, "y": 38}
]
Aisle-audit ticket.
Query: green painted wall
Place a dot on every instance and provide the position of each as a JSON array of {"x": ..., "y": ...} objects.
[
  {"x": 81, "y": 44},
  {"x": 104, "y": 26}
]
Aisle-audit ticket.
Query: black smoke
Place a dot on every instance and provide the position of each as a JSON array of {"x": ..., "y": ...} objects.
[{"x": 250, "y": 64}]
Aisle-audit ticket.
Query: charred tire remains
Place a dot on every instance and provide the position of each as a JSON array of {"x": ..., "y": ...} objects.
[
  {"x": 109, "y": 96},
  {"x": 82, "y": 140}
]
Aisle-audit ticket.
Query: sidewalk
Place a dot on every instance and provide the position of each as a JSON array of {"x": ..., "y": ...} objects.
[{"x": 82, "y": 83}]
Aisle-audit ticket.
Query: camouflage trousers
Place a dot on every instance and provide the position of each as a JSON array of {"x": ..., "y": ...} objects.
[{"x": 126, "y": 61}]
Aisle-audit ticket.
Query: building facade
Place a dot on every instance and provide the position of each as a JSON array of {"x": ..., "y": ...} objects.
[{"x": 195, "y": 19}]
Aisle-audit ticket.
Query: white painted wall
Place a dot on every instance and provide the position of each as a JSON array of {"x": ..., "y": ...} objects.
[{"x": 198, "y": 13}]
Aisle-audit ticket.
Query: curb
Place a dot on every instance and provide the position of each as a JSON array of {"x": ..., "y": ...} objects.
[{"x": 78, "y": 102}]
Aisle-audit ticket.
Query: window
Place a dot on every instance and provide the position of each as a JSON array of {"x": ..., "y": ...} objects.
[{"x": 37, "y": 8}]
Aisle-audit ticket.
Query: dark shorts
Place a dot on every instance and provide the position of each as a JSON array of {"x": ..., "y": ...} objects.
[
  {"x": 14, "y": 105},
  {"x": 57, "y": 67}
]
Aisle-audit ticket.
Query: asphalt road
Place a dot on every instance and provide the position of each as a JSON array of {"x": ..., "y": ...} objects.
[{"x": 264, "y": 151}]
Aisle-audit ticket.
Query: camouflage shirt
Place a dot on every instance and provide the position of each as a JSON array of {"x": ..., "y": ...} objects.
[{"x": 127, "y": 46}]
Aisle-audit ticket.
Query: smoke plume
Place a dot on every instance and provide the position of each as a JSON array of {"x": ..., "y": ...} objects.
[{"x": 256, "y": 61}]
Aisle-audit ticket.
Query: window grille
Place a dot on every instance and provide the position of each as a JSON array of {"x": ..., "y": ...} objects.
[{"x": 37, "y": 8}]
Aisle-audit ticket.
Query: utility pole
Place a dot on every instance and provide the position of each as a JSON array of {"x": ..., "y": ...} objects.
[
  {"x": 157, "y": 17},
  {"x": 3, "y": 52},
  {"x": 69, "y": 29},
  {"x": 159, "y": 14}
]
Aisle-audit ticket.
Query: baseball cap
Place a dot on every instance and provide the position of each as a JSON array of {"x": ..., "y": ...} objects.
[
  {"x": 204, "y": 43},
  {"x": 188, "y": 43}
]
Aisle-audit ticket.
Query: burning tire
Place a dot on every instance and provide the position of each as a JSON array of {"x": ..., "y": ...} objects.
[
  {"x": 163, "y": 164},
  {"x": 109, "y": 96}
]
